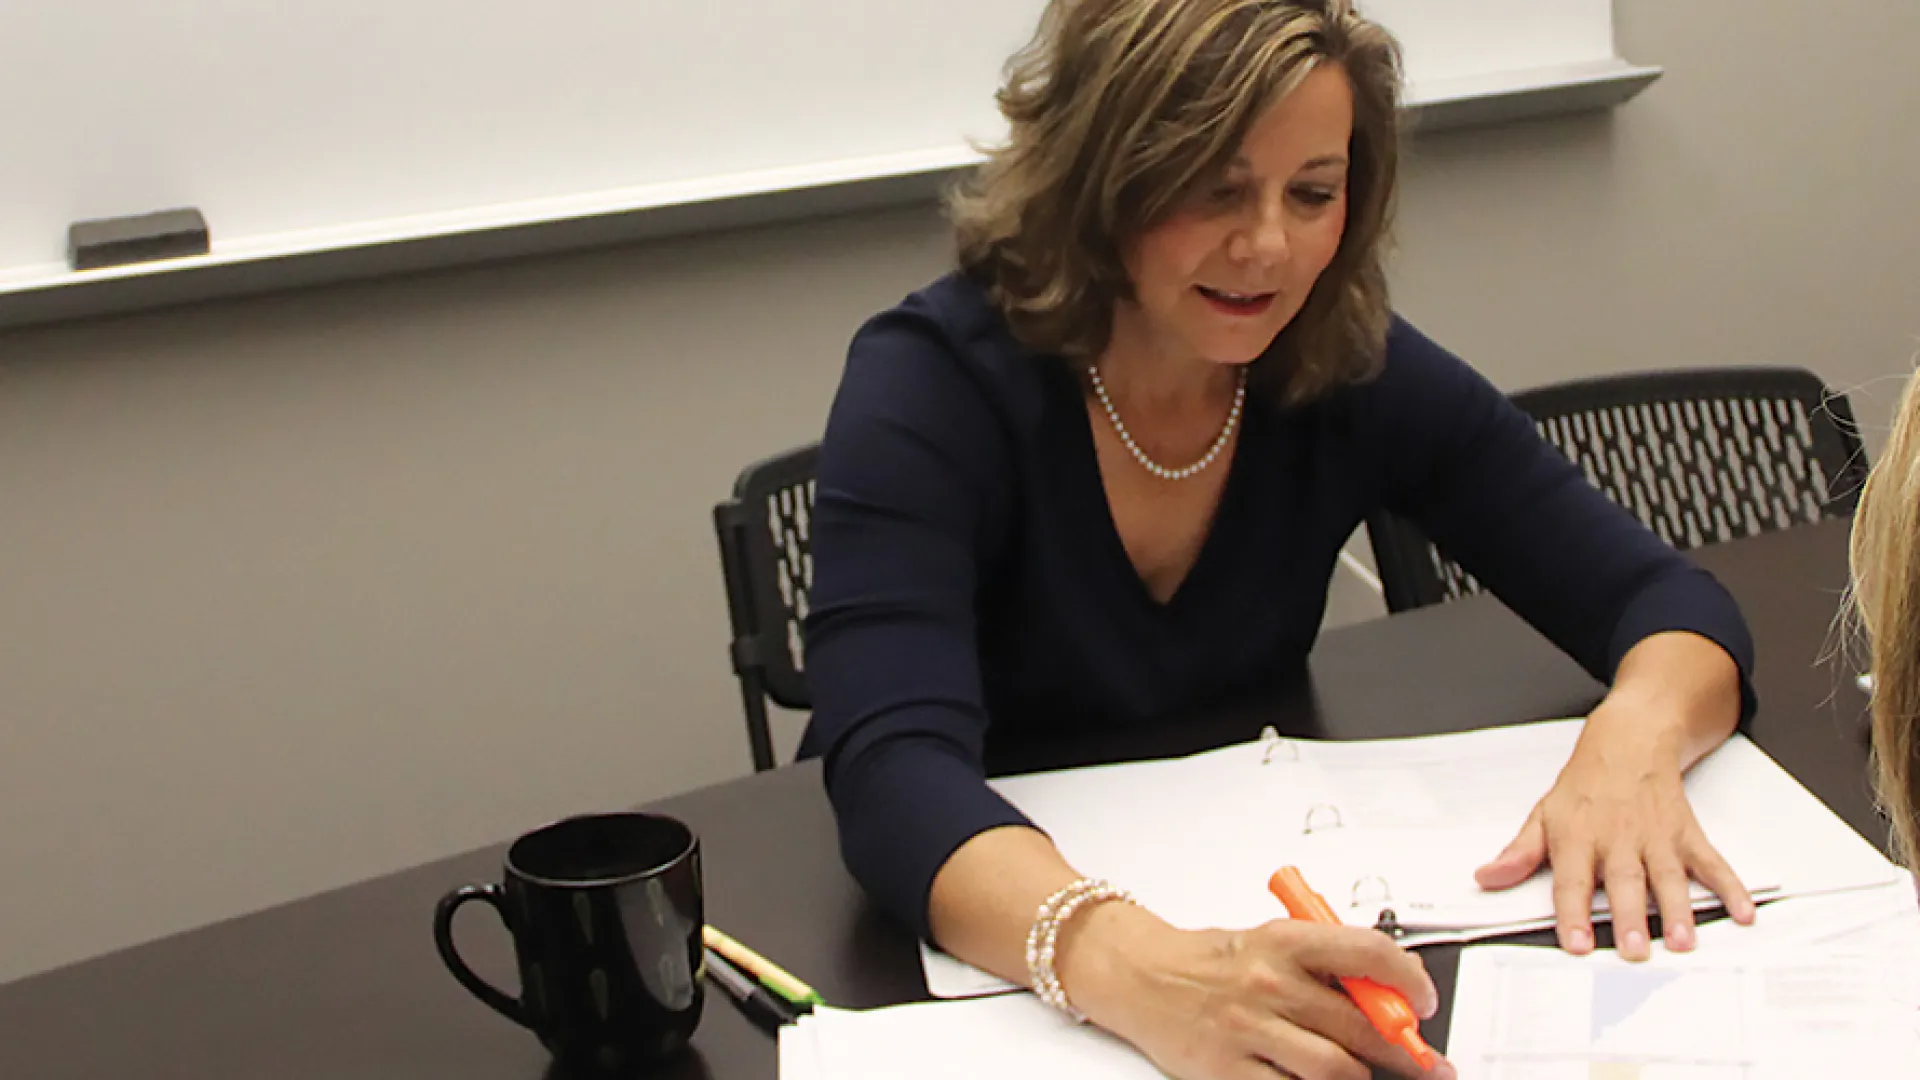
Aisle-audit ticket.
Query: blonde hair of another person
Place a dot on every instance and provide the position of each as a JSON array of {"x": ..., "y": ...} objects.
[
  {"x": 1885, "y": 562},
  {"x": 1118, "y": 110}
]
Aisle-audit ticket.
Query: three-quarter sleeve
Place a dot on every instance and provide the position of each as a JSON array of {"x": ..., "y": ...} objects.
[
  {"x": 1471, "y": 469},
  {"x": 911, "y": 492}
]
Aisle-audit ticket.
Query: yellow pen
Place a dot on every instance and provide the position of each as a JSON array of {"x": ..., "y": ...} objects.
[{"x": 777, "y": 979}]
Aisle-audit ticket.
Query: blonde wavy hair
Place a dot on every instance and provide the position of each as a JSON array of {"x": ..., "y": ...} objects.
[
  {"x": 1885, "y": 562},
  {"x": 1117, "y": 110}
]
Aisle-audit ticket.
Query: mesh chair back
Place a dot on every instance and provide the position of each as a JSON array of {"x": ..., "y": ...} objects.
[{"x": 766, "y": 554}]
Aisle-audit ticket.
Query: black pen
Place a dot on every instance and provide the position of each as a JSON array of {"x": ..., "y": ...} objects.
[{"x": 762, "y": 1006}]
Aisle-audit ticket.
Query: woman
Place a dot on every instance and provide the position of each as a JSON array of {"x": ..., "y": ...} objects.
[
  {"x": 1886, "y": 595},
  {"x": 1101, "y": 475}
]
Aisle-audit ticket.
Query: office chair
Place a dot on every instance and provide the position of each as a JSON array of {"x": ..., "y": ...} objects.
[{"x": 764, "y": 531}]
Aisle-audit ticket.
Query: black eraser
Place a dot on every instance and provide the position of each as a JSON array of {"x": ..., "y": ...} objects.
[{"x": 164, "y": 234}]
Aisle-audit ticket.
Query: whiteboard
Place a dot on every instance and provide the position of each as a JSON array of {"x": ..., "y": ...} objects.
[{"x": 325, "y": 125}]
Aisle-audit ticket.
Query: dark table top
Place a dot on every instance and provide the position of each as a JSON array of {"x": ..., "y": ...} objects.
[{"x": 346, "y": 984}]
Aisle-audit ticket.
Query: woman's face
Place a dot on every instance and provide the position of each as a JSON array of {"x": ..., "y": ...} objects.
[{"x": 1221, "y": 277}]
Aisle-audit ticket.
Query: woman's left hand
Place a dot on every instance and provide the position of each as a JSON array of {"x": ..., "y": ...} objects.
[{"x": 1618, "y": 815}]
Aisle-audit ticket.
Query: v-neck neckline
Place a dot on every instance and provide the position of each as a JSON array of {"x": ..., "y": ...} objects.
[{"x": 1086, "y": 457}]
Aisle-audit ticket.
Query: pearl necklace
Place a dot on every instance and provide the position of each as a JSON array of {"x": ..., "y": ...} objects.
[{"x": 1154, "y": 467}]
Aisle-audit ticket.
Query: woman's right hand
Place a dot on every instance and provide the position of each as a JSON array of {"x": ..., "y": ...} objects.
[{"x": 1241, "y": 1005}]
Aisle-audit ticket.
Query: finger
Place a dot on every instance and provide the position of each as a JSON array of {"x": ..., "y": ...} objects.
[
  {"x": 1626, "y": 884},
  {"x": 1302, "y": 1053},
  {"x": 1333, "y": 1014},
  {"x": 1251, "y": 1068},
  {"x": 1519, "y": 859},
  {"x": 1348, "y": 951},
  {"x": 1674, "y": 893},
  {"x": 1572, "y": 859},
  {"x": 1704, "y": 860}
]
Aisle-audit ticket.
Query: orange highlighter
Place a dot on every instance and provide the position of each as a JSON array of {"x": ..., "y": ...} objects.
[{"x": 1387, "y": 1008}]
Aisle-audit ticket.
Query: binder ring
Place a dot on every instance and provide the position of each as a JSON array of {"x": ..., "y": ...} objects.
[
  {"x": 1322, "y": 816},
  {"x": 1384, "y": 891},
  {"x": 1277, "y": 745}
]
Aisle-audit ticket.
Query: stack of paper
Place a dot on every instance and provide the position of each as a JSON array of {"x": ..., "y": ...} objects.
[
  {"x": 1830, "y": 978},
  {"x": 1828, "y": 986},
  {"x": 1392, "y": 825},
  {"x": 1825, "y": 986}
]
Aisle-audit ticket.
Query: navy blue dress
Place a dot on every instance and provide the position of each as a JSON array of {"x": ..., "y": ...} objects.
[{"x": 969, "y": 585}]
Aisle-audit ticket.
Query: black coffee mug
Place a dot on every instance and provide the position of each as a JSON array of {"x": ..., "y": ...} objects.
[{"x": 606, "y": 915}]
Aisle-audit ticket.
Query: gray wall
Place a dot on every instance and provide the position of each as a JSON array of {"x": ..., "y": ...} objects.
[{"x": 303, "y": 589}]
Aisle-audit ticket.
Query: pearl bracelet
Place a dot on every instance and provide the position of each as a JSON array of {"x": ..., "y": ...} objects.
[{"x": 1045, "y": 933}]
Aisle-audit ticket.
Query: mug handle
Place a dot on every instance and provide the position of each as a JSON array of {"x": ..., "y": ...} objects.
[{"x": 443, "y": 940}]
